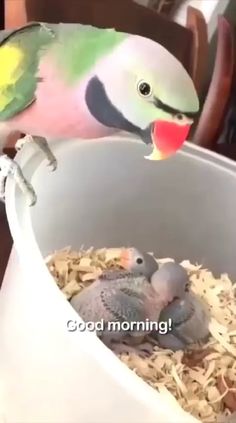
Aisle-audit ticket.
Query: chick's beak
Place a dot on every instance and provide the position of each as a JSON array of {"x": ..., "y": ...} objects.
[
  {"x": 125, "y": 258},
  {"x": 167, "y": 138}
]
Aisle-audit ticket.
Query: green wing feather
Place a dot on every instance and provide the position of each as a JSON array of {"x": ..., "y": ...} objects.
[
  {"x": 79, "y": 47},
  {"x": 74, "y": 49},
  {"x": 19, "y": 58}
]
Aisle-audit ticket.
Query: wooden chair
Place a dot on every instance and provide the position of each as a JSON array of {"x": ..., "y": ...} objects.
[
  {"x": 199, "y": 51},
  {"x": 217, "y": 100}
]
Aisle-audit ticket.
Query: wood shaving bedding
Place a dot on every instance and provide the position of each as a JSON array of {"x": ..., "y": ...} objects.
[{"x": 203, "y": 379}]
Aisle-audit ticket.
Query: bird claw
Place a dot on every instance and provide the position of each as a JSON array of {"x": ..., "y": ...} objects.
[
  {"x": 9, "y": 168},
  {"x": 146, "y": 348},
  {"x": 22, "y": 141},
  {"x": 43, "y": 146},
  {"x": 52, "y": 164},
  {"x": 121, "y": 349},
  {"x": 143, "y": 351}
]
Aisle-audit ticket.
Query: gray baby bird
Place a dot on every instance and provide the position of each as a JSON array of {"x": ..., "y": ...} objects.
[
  {"x": 122, "y": 296},
  {"x": 189, "y": 323}
]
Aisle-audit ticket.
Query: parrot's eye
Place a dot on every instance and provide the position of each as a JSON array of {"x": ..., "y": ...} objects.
[
  {"x": 179, "y": 116},
  {"x": 144, "y": 89},
  {"x": 139, "y": 260}
]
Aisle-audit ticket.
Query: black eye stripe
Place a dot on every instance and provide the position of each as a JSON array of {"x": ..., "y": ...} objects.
[{"x": 168, "y": 109}]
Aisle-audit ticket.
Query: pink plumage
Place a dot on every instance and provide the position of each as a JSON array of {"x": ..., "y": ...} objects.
[{"x": 58, "y": 111}]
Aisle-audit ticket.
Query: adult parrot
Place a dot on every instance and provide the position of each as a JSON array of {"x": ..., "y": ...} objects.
[{"x": 62, "y": 81}]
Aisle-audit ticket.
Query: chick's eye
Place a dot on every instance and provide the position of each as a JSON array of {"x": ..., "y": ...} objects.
[
  {"x": 139, "y": 260},
  {"x": 144, "y": 89}
]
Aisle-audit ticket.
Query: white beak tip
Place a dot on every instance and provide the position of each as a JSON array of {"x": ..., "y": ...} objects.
[
  {"x": 154, "y": 156},
  {"x": 148, "y": 157}
]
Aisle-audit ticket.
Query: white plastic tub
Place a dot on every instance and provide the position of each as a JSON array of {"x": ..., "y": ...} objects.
[{"x": 103, "y": 194}]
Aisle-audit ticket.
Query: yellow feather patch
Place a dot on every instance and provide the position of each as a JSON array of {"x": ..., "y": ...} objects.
[{"x": 10, "y": 59}]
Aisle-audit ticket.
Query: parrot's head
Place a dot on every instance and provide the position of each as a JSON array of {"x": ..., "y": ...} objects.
[
  {"x": 136, "y": 262},
  {"x": 170, "y": 281},
  {"x": 143, "y": 89}
]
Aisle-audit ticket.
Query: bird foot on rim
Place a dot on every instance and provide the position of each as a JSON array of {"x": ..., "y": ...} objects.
[
  {"x": 43, "y": 146},
  {"x": 9, "y": 168}
]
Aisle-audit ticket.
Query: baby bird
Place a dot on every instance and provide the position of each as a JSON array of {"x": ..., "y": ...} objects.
[
  {"x": 118, "y": 296},
  {"x": 189, "y": 323},
  {"x": 136, "y": 262},
  {"x": 122, "y": 296},
  {"x": 172, "y": 276}
]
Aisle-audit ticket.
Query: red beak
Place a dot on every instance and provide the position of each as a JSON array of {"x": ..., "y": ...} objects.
[{"x": 168, "y": 137}]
